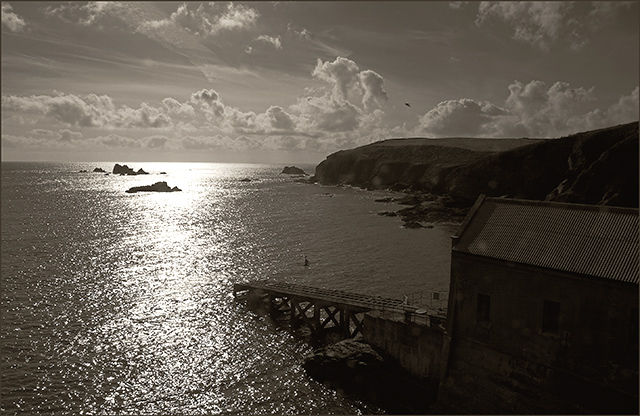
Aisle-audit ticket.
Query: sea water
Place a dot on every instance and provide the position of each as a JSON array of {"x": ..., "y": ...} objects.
[{"x": 118, "y": 303}]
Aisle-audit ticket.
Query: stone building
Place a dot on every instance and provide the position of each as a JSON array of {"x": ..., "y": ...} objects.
[{"x": 543, "y": 310}]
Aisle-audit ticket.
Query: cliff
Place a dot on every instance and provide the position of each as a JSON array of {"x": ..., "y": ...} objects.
[
  {"x": 595, "y": 167},
  {"x": 598, "y": 167}
]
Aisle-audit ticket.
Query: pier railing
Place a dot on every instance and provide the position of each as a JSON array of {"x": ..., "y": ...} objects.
[
  {"x": 434, "y": 302},
  {"x": 329, "y": 307}
]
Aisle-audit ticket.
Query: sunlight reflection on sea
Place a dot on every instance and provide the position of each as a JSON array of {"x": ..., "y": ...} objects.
[{"x": 119, "y": 303}]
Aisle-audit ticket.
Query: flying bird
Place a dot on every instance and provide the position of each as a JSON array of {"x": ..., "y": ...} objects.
[{"x": 407, "y": 104}]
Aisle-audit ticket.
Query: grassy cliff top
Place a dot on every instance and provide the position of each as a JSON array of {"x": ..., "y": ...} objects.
[{"x": 470, "y": 143}]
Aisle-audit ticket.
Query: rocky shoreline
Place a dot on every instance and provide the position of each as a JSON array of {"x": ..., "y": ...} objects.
[{"x": 425, "y": 209}]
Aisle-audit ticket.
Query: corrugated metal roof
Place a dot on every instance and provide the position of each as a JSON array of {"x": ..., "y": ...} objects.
[{"x": 591, "y": 240}]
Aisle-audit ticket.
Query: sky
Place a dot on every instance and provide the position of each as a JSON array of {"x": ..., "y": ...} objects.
[{"x": 296, "y": 81}]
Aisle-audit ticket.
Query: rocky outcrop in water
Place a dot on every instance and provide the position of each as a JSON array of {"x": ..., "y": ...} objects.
[
  {"x": 126, "y": 170},
  {"x": 156, "y": 187},
  {"x": 292, "y": 170},
  {"x": 99, "y": 170}
]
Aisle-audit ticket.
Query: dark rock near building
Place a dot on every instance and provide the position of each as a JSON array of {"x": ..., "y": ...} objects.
[
  {"x": 292, "y": 170},
  {"x": 355, "y": 367},
  {"x": 156, "y": 187},
  {"x": 99, "y": 170}
]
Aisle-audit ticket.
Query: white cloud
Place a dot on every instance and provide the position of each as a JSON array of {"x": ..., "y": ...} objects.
[
  {"x": 87, "y": 14},
  {"x": 346, "y": 111},
  {"x": 457, "y": 4},
  {"x": 237, "y": 16},
  {"x": 532, "y": 110},
  {"x": 623, "y": 111},
  {"x": 88, "y": 111},
  {"x": 209, "y": 19},
  {"x": 374, "y": 94},
  {"x": 273, "y": 40},
  {"x": 324, "y": 114},
  {"x": 11, "y": 20},
  {"x": 549, "y": 111},
  {"x": 463, "y": 117},
  {"x": 342, "y": 74},
  {"x": 279, "y": 119}
]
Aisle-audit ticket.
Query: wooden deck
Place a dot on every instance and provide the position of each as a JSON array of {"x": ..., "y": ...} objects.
[{"x": 329, "y": 307}]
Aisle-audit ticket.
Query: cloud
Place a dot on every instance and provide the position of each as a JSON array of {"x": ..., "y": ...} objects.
[
  {"x": 275, "y": 41},
  {"x": 457, "y": 4},
  {"x": 462, "y": 117},
  {"x": 547, "y": 111},
  {"x": 604, "y": 12},
  {"x": 41, "y": 138},
  {"x": 238, "y": 17},
  {"x": 63, "y": 135},
  {"x": 342, "y": 74},
  {"x": 538, "y": 23},
  {"x": 345, "y": 111},
  {"x": 532, "y": 110},
  {"x": 325, "y": 114},
  {"x": 209, "y": 19},
  {"x": 89, "y": 111},
  {"x": 374, "y": 94},
  {"x": 624, "y": 111},
  {"x": 88, "y": 14},
  {"x": 11, "y": 20},
  {"x": 143, "y": 117},
  {"x": 279, "y": 119},
  {"x": 545, "y": 24}
]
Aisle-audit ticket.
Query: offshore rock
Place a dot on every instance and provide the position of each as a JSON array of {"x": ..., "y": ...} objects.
[
  {"x": 99, "y": 170},
  {"x": 123, "y": 170},
  {"x": 156, "y": 187},
  {"x": 126, "y": 170},
  {"x": 292, "y": 170}
]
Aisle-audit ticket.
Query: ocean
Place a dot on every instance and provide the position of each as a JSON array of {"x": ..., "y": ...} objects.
[{"x": 117, "y": 303}]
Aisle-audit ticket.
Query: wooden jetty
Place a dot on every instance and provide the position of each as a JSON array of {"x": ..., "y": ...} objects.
[{"x": 319, "y": 308}]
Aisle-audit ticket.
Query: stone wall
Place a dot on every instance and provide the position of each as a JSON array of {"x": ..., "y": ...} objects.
[{"x": 415, "y": 347}]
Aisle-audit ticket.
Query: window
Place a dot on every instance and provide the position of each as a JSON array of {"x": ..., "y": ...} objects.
[
  {"x": 551, "y": 317},
  {"x": 484, "y": 308}
]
